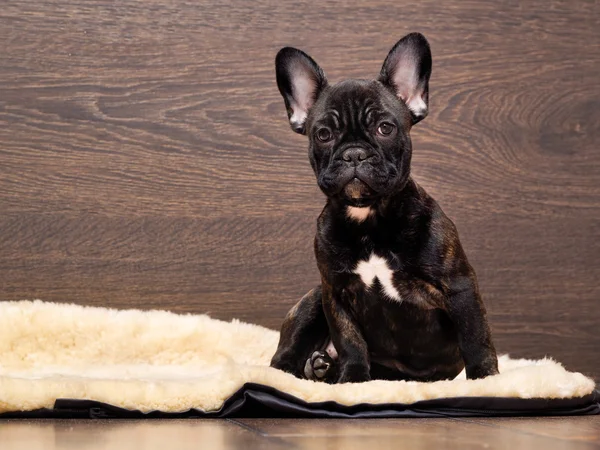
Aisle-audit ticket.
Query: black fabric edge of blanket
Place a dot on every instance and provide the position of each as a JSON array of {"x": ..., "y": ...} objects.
[{"x": 256, "y": 400}]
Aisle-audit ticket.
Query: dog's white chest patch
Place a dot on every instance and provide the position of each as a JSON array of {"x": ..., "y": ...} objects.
[
  {"x": 359, "y": 214},
  {"x": 377, "y": 267}
]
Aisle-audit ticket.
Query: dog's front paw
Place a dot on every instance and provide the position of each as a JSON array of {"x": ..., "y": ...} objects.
[
  {"x": 320, "y": 366},
  {"x": 482, "y": 370}
]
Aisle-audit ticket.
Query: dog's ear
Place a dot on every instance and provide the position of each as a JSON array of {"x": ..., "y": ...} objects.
[
  {"x": 406, "y": 70},
  {"x": 300, "y": 81}
]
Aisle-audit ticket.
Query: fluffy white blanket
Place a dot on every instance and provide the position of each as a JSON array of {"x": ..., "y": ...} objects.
[{"x": 162, "y": 361}]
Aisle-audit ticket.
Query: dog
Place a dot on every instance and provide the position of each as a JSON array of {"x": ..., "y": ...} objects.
[{"x": 398, "y": 299}]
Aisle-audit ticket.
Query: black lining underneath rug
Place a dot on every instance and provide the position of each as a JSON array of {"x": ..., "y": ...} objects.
[{"x": 255, "y": 400}]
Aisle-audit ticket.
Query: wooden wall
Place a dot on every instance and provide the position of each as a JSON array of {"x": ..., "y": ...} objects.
[{"x": 146, "y": 160}]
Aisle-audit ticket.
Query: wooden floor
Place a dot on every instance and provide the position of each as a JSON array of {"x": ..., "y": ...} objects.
[{"x": 509, "y": 433}]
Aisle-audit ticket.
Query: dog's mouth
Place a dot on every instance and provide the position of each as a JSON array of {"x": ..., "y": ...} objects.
[
  {"x": 358, "y": 193},
  {"x": 353, "y": 187}
]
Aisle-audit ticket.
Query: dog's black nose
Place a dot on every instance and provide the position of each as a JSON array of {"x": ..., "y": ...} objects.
[{"x": 355, "y": 155}]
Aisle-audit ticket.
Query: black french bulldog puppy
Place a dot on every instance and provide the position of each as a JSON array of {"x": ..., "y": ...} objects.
[{"x": 398, "y": 299}]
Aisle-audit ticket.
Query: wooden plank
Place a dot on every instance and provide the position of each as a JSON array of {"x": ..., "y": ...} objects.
[
  {"x": 411, "y": 433},
  {"x": 145, "y": 159},
  {"x": 573, "y": 429},
  {"x": 141, "y": 434}
]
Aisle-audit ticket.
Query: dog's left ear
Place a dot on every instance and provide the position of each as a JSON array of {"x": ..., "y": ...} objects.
[
  {"x": 300, "y": 81},
  {"x": 406, "y": 70}
]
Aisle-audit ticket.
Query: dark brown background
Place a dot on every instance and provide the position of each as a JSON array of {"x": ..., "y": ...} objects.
[{"x": 146, "y": 160}]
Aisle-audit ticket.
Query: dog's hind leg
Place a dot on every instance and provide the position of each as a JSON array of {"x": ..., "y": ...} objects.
[
  {"x": 304, "y": 340},
  {"x": 320, "y": 366}
]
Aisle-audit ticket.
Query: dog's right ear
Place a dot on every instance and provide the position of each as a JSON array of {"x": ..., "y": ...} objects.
[
  {"x": 300, "y": 81},
  {"x": 406, "y": 71}
]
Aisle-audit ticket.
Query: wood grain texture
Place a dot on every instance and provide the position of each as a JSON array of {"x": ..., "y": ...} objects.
[
  {"x": 335, "y": 434},
  {"x": 208, "y": 434},
  {"x": 145, "y": 158},
  {"x": 491, "y": 433},
  {"x": 561, "y": 429}
]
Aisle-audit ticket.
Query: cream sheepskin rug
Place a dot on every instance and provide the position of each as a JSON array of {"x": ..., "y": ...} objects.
[{"x": 162, "y": 361}]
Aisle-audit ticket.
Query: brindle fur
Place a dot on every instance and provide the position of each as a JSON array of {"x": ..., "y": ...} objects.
[{"x": 439, "y": 324}]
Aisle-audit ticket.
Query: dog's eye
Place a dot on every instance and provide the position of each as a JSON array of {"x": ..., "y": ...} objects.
[
  {"x": 324, "y": 135},
  {"x": 385, "y": 129}
]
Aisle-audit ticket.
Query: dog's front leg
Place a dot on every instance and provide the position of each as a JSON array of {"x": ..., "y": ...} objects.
[
  {"x": 467, "y": 312},
  {"x": 353, "y": 355}
]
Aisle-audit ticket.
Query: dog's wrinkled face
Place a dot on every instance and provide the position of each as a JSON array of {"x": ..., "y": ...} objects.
[
  {"x": 359, "y": 143},
  {"x": 358, "y": 130}
]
